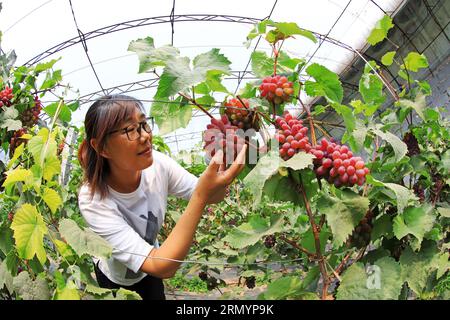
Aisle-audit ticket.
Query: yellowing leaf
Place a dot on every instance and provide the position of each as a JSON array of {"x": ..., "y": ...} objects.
[
  {"x": 29, "y": 230},
  {"x": 52, "y": 199},
  {"x": 17, "y": 175}
]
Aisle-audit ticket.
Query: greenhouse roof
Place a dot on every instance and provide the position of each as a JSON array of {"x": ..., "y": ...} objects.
[{"x": 91, "y": 39}]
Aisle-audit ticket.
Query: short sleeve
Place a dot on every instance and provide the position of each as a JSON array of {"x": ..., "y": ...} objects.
[
  {"x": 103, "y": 218},
  {"x": 181, "y": 183}
]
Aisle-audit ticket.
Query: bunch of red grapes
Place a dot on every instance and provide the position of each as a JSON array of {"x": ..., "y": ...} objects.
[
  {"x": 30, "y": 116},
  {"x": 337, "y": 164},
  {"x": 240, "y": 115},
  {"x": 6, "y": 96},
  {"x": 277, "y": 89},
  {"x": 291, "y": 135},
  {"x": 221, "y": 135},
  {"x": 16, "y": 140}
]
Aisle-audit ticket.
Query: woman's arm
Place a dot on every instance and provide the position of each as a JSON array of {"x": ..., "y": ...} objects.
[{"x": 211, "y": 183}]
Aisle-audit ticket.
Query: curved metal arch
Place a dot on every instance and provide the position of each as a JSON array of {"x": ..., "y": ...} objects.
[
  {"x": 138, "y": 23},
  {"x": 158, "y": 20}
]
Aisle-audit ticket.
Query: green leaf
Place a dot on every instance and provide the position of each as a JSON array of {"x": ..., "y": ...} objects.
[
  {"x": 45, "y": 66},
  {"x": 418, "y": 267},
  {"x": 96, "y": 290},
  {"x": 6, "y": 279},
  {"x": 52, "y": 167},
  {"x": 151, "y": 57},
  {"x": 252, "y": 231},
  {"x": 17, "y": 153},
  {"x": 52, "y": 199},
  {"x": 29, "y": 289},
  {"x": 84, "y": 241},
  {"x": 400, "y": 148},
  {"x": 371, "y": 88},
  {"x": 414, "y": 62},
  {"x": 64, "y": 249},
  {"x": 347, "y": 115},
  {"x": 17, "y": 175},
  {"x": 343, "y": 214},
  {"x": 266, "y": 167},
  {"x": 327, "y": 83},
  {"x": 205, "y": 101},
  {"x": 6, "y": 236},
  {"x": 214, "y": 81},
  {"x": 403, "y": 195},
  {"x": 124, "y": 294},
  {"x": 262, "y": 65},
  {"x": 291, "y": 28},
  {"x": 287, "y": 287},
  {"x": 178, "y": 76},
  {"x": 383, "y": 283},
  {"x": 419, "y": 104},
  {"x": 171, "y": 115},
  {"x": 65, "y": 113},
  {"x": 288, "y": 62},
  {"x": 414, "y": 220},
  {"x": 29, "y": 230},
  {"x": 308, "y": 240},
  {"x": 382, "y": 227},
  {"x": 388, "y": 58},
  {"x": 68, "y": 292},
  {"x": 51, "y": 79},
  {"x": 42, "y": 146},
  {"x": 379, "y": 33}
]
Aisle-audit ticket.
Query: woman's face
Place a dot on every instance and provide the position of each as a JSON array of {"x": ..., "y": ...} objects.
[{"x": 130, "y": 155}]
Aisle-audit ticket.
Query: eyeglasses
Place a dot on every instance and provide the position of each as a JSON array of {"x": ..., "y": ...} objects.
[{"x": 133, "y": 131}]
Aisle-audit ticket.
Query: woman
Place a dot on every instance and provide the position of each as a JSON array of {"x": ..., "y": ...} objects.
[{"x": 124, "y": 196}]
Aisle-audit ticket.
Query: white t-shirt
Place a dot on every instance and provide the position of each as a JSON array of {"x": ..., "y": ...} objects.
[{"x": 130, "y": 222}]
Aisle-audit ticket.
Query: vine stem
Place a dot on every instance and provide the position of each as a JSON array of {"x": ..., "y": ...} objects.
[
  {"x": 323, "y": 131},
  {"x": 196, "y": 104},
  {"x": 315, "y": 230},
  {"x": 296, "y": 246},
  {"x": 374, "y": 156}
]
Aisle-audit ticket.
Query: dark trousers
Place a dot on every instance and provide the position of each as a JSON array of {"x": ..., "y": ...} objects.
[{"x": 149, "y": 288}]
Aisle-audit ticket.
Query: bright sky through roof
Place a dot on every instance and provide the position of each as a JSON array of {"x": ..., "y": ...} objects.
[{"x": 31, "y": 27}]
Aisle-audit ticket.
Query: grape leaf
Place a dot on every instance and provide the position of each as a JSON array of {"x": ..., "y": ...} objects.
[
  {"x": 400, "y": 148},
  {"x": 371, "y": 88},
  {"x": 52, "y": 199},
  {"x": 415, "y": 61},
  {"x": 29, "y": 230},
  {"x": 171, "y": 115},
  {"x": 287, "y": 287},
  {"x": 6, "y": 279},
  {"x": 84, "y": 241},
  {"x": 327, "y": 83},
  {"x": 149, "y": 56},
  {"x": 418, "y": 267},
  {"x": 388, "y": 58},
  {"x": 29, "y": 289},
  {"x": 178, "y": 75},
  {"x": 414, "y": 220},
  {"x": 252, "y": 231},
  {"x": 262, "y": 65},
  {"x": 343, "y": 214},
  {"x": 380, "y": 31},
  {"x": 419, "y": 104},
  {"x": 17, "y": 175},
  {"x": 403, "y": 195},
  {"x": 383, "y": 283}
]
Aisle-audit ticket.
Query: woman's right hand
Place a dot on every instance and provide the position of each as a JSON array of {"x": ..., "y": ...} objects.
[{"x": 212, "y": 184}]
